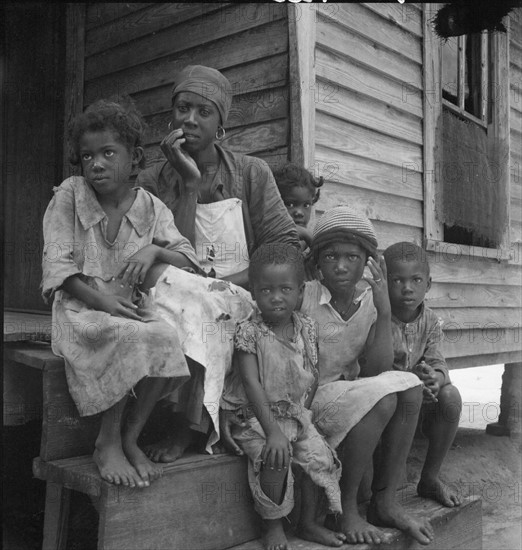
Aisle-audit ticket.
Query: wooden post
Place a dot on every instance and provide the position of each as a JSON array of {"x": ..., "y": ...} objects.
[
  {"x": 301, "y": 36},
  {"x": 433, "y": 229},
  {"x": 510, "y": 402},
  {"x": 57, "y": 500},
  {"x": 74, "y": 65}
]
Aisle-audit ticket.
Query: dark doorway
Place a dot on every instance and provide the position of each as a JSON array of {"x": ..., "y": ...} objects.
[{"x": 32, "y": 137}]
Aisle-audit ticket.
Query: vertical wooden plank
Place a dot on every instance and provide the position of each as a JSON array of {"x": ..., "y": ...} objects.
[
  {"x": 432, "y": 114},
  {"x": 57, "y": 501},
  {"x": 74, "y": 69},
  {"x": 498, "y": 127},
  {"x": 301, "y": 35}
]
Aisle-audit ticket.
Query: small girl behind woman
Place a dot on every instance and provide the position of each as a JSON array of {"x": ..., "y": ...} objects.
[
  {"x": 276, "y": 354},
  {"x": 101, "y": 237},
  {"x": 299, "y": 191}
]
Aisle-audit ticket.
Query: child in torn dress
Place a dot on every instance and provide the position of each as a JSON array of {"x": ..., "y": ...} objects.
[
  {"x": 276, "y": 354},
  {"x": 299, "y": 191},
  {"x": 101, "y": 238},
  {"x": 417, "y": 336}
]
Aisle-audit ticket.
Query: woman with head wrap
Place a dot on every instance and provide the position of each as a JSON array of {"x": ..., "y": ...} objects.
[
  {"x": 360, "y": 399},
  {"x": 227, "y": 205}
]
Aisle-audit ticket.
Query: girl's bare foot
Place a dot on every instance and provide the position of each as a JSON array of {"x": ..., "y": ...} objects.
[
  {"x": 317, "y": 533},
  {"x": 386, "y": 512},
  {"x": 147, "y": 470},
  {"x": 171, "y": 448},
  {"x": 359, "y": 531},
  {"x": 114, "y": 466},
  {"x": 274, "y": 537},
  {"x": 437, "y": 490}
]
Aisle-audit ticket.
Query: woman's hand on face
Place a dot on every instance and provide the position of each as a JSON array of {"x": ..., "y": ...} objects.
[
  {"x": 180, "y": 160},
  {"x": 379, "y": 283},
  {"x": 135, "y": 269}
]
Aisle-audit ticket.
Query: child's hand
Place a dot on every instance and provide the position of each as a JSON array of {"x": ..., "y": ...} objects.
[
  {"x": 277, "y": 451},
  {"x": 429, "y": 377},
  {"x": 118, "y": 306},
  {"x": 427, "y": 395},
  {"x": 135, "y": 268},
  {"x": 180, "y": 160},
  {"x": 305, "y": 235},
  {"x": 227, "y": 419},
  {"x": 379, "y": 283}
]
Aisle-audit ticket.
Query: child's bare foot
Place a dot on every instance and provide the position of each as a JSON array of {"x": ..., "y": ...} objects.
[
  {"x": 359, "y": 531},
  {"x": 171, "y": 448},
  {"x": 437, "y": 490},
  {"x": 274, "y": 537},
  {"x": 147, "y": 470},
  {"x": 114, "y": 466},
  {"x": 386, "y": 512},
  {"x": 317, "y": 533}
]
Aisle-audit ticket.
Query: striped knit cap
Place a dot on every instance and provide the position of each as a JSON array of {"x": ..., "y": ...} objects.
[{"x": 343, "y": 223}]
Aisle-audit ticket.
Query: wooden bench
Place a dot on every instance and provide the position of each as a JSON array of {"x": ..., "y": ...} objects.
[{"x": 202, "y": 502}]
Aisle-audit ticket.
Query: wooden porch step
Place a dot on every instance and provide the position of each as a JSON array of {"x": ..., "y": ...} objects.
[
  {"x": 202, "y": 502},
  {"x": 455, "y": 528}
]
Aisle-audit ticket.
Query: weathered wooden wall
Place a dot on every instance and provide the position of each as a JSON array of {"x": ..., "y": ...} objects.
[
  {"x": 368, "y": 128},
  {"x": 369, "y": 145},
  {"x": 138, "y": 48}
]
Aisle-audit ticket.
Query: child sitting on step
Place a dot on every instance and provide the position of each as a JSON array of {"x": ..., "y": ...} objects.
[
  {"x": 299, "y": 191},
  {"x": 276, "y": 355},
  {"x": 417, "y": 336},
  {"x": 102, "y": 236}
]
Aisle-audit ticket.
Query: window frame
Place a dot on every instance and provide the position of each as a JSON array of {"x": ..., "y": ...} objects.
[{"x": 497, "y": 128}]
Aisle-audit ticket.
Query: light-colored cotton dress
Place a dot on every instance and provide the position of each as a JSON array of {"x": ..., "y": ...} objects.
[
  {"x": 105, "y": 355},
  {"x": 342, "y": 399}
]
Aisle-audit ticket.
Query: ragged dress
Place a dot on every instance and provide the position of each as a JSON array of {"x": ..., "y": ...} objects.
[
  {"x": 105, "y": 355},
  {"x": 342, "y": 398},
  {"x": 287, "y": 370}
]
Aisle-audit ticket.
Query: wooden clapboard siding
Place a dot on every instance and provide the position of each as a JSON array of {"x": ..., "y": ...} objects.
[
  {"x": 224, "y": 53},
  {"x": 377, "y": 206},
  {"x": 460, "y": 295},
  {"x": 515, "y": 125},
  {"x": 178, "y": 38},
  {"x": 338, "y": 166},
  {"x": 138, "y": 49},
  {"x": 370, "y": 145},
  {"x": 368, "y": 115},
  {"x": 101, "y": 12}
]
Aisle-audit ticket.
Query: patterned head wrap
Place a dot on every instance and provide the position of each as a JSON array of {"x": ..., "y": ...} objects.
[
  {"x": 343, "y": 223},
  {"x": 208, "y": 83}
]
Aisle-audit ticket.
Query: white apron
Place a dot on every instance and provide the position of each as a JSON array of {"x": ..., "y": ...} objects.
[{"x": 221, "y": 245}]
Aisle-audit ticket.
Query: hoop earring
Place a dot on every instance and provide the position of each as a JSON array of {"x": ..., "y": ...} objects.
[
  {"x": 169, "y": 125},
  {"x": 218, "y": 135}
]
